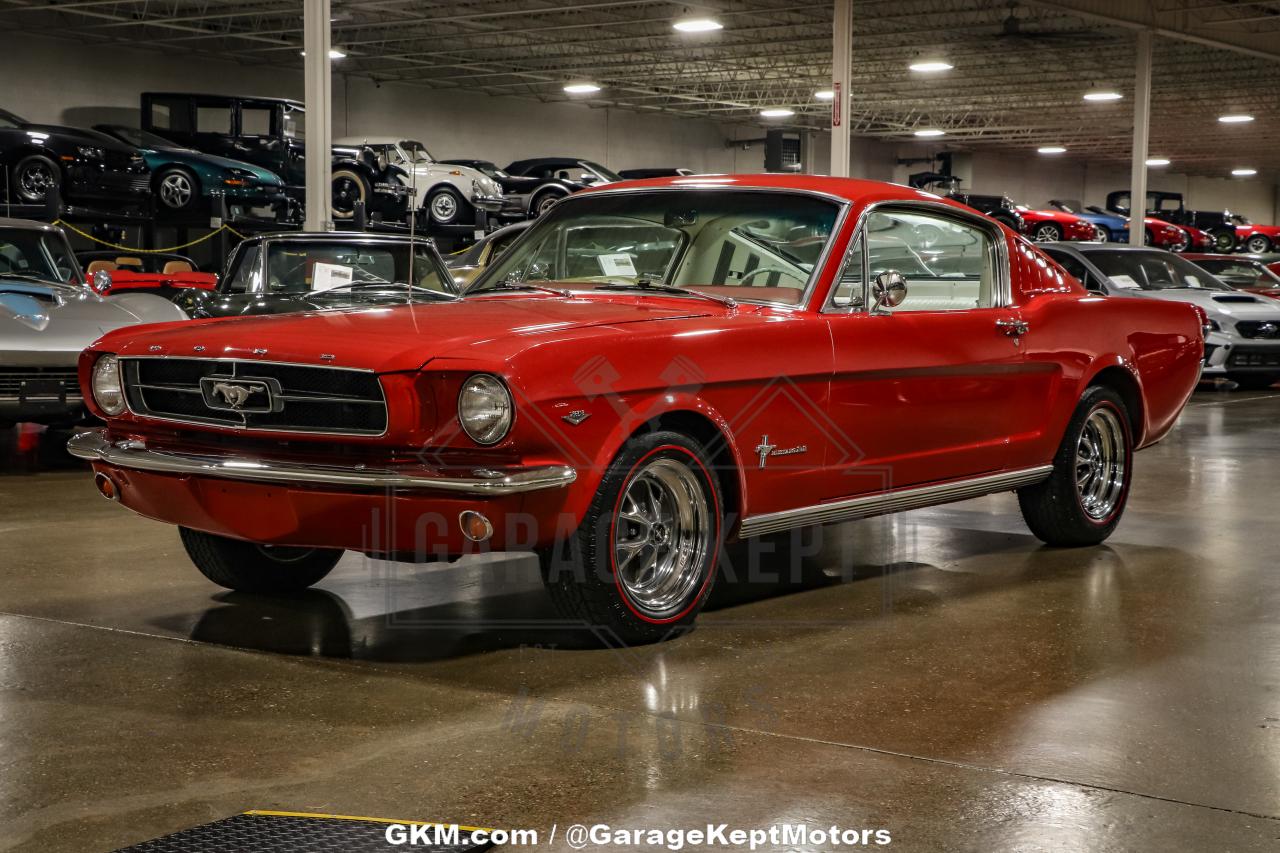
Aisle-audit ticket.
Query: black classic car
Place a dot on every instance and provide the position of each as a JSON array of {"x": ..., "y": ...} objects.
[
  {"x": 303, "y": 271},
  {"x": 1169, "y": 207},
  {"x": 998, "y": 207},
  {"x": 656, "y": 172},
  {"x": 87, "y": 167},
  {"x": 269, "y": 132}
]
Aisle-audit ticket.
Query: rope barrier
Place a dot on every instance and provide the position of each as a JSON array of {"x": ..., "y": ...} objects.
[{"x": 168, "y": 249}]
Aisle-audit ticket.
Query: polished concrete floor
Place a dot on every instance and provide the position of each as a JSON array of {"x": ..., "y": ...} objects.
[{"x": 937, "y": 674}]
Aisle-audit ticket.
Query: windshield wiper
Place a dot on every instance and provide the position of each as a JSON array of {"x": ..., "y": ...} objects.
[
  {"x": 647, "y": 286},
  {"x": 393, "y": 286},
  {"x": 521, "y": 284}
]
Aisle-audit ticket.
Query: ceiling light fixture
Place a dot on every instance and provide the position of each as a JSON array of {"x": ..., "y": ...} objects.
[
  {"x": 777, "y": 112},
  {"x": 1052, "y": 149},
  {"x": 1235, "y": 118},
  {"x": 1103, "y": 96},
  {"x": 698, "y": 25},
  {"x": 334, "y": 53},
  {"x": 825, "y": 95},
  {"x": 581, "y": 88},
  {"x": 930, "y": 131},
  {"x": 930, "y": 66},
  {"x": 1158, "y": 161},
  {"x": 1244, "y": 173}
]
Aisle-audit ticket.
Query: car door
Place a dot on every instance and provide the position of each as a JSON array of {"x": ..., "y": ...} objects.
[{"x": 931, "y": 389}]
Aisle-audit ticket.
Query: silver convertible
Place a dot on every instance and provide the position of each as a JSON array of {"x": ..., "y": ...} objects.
[{"x": 48, "y": 314}]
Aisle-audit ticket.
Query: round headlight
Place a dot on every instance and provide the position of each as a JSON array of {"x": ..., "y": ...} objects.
[
  {"x": 107, "y": 392},
  {"x": 485, "y": 409}
]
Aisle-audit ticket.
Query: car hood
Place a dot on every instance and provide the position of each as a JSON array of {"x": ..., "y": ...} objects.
[
  {"x": 1218, "y": 303},
  {"x": 190, "y": 157},
  {"x": 1103, "y": 219},
  {"x": 1273, "y": 230},
  {"x": 51, "y": 325},
  {"x": 404, "y": 337}
]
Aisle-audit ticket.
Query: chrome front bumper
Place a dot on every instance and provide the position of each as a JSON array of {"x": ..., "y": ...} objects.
[{"x": 135, "y": 455}]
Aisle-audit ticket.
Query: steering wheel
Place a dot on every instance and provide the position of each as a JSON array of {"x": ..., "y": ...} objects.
[{"x": 760, "y": 270}]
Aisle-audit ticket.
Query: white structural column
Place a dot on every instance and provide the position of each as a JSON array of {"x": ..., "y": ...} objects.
[
  {"x": 841, "y": 62},
  {"x": 319, "y": 97},
  {"x": 1141, "y": 140}
]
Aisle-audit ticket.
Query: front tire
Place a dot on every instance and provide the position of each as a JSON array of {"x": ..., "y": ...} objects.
[
  {"x": 1258, "y": 245},
  {"x": 641, "y": 564},
  {"x": 1046, "y": 232},
  {"x": 1182, "y": 243},
  {"x": 177, "y": 189},
  {"x": 1082, "y": 500},
  {"x": 349, "y": 186},
  {"x": 249, "y": 567}
]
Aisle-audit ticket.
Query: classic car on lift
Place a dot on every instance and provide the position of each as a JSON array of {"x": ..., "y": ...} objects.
[
  {"x": 184, "y": 180},
  {"x": 1243, "y": 272},
  {"x": 294, "y": 271},
  {"x": 47, "y": 316},
  {"x": 450, "y": 193},
  {"x": 1255, "y": 239},
  {"x": 86, "y": 166},
  {"x": 268, "y": 132},
  {"x": 558, "y": 177},
  {"x": 1242, "y": 330},
  {"x": 1168, "y": 207},
  {"x": 811, "y": 350},
  {"x": 1042, "y": 226},
  {"x": 526, "y": 195}
]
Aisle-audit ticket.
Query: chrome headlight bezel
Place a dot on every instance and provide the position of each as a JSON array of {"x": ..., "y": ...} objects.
[
  {"x": 105, "y": 384},
  {"x": 486, "y": 409}
]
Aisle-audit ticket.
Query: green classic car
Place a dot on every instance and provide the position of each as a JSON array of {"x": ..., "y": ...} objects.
[{"x": 184, "y": 179}]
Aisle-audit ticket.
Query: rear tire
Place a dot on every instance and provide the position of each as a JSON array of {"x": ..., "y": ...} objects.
[
  {"x": 446, "y": 206},
  {"x": 642, "y": 563},
  {"x": 248, "y": 567},
  {"x": 1224, "y": 241},
  {"x": 543, "y": 202},
  {"x": 33, "y": 177},
  {"x": 1082, "y": 500}
]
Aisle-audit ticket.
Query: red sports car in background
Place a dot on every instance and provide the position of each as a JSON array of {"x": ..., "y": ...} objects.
[
  {"x": 158, "y": 272},
  {"x": 1241, "y": 272},
  {"x": 814, "y": 350},
  {"x": 1255, "y": 239},
  {"x": 1051, "y": 226}
]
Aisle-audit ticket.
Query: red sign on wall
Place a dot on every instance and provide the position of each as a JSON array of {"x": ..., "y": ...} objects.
[{"x": 835, "y": 107}]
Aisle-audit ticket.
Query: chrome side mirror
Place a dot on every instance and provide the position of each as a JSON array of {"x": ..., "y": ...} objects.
[
  {"x": 888, "y": 290},
  {"x": 102, "y": 281}
]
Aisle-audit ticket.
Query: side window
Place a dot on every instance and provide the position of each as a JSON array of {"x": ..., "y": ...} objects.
[
  {"x": 255, "y": 121},
  {"x": 213, "y": 120},
  {"x": 244, "y": 278},
  {"x": 849, "y": 289},
  {"x": 949, "y": 264},
  {"x": 1079, "y": 271},
  {"x": 171, "y": 114}
]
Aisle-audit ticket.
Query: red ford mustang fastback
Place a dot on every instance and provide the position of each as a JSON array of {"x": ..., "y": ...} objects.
[{"x": 652, "y": 368}]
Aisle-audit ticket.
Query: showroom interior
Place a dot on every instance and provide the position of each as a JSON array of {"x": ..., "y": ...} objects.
[{"x": 902, "y": 664}]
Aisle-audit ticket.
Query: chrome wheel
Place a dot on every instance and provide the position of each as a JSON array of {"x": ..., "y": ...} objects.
[
  {"x": 176, "y": 190},
  {"x": 544, "y": 204},
  {"x": 1258, "y": 245},
  {"x": 35, "y": 179},
  {"x": 1047, "y": 234},
  {"x": 444, "y": 207},
  {"x": 662, "y": 537},
  {"x": 1101, "y": 463}
]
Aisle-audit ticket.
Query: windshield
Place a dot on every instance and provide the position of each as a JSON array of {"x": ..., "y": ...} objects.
[
  {"x": 297, "y": 267},
  {"x": 750, "y": 245},
  {"x": 1153, "y": 270},
  {"x": 141, "y": 138},
  {"x": 1241, "y": 273},
  {"x": 8, "y": 119},
  {"x": 40, "y": 255},
  {"x": 603, "y": 173},
  {"x": 1241, "y": 220},
  {"x": 417, "y": 152},
  {"x": 1067, "y": 205}
]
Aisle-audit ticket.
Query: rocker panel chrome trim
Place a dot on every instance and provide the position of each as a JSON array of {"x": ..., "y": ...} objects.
[{"x": 881, "y": 503}]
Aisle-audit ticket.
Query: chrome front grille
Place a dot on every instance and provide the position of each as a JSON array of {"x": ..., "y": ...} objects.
[
  {"x": 17, "y": 382},
  {"x": 276, "y": 397}
]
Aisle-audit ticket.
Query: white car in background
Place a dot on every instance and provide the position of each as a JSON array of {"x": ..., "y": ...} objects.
[
  {"x": 1242, "y": 341},
  {"x": 449, "y": 195}
]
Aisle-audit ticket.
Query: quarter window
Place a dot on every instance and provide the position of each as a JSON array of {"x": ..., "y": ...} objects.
[{"x": 949, "y": 265}]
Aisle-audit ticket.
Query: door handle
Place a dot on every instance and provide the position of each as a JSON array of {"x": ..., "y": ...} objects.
[{"x": 1013, "y": 328}]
